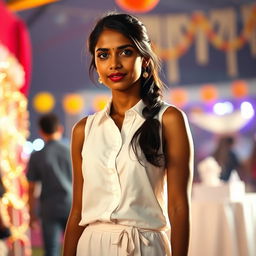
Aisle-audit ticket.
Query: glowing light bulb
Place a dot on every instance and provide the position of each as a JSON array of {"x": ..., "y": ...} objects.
[
  {"x": 38, "y": 144},
  {"x": 247, "y": 110},
  {"x": 28, "y": 148},
  {"x": 223, "y": 108}
]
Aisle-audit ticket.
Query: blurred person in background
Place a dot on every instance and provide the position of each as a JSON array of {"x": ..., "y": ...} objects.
[
  {"x": 251, "y": 168},
  {"x": 51, "y": 167},
  {"x": 226, "y": 157}
]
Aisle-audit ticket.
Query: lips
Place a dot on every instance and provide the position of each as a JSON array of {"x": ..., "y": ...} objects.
[{"x": 115, "y": 77}]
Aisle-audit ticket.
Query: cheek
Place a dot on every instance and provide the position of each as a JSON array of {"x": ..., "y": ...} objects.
[{"x": 99, "y": 67}]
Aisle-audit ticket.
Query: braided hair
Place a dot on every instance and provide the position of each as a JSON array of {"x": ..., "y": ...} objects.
[{"x": 147, "y": 136}]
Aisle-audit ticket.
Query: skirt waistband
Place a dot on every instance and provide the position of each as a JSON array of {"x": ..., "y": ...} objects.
[
  {"x": 109, "y": 226},
  {"x": 128, "y": 237}
]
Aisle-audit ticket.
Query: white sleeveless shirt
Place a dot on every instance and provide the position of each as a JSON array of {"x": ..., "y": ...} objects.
[{"x": 117, "y": 188}]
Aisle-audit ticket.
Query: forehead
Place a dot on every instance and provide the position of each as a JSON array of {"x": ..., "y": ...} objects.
[{"x": 112, "y": 39}]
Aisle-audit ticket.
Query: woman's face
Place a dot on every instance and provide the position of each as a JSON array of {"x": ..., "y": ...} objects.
[{"x": 117, "y": 61}]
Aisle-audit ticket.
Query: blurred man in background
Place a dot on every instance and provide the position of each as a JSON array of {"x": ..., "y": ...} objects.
[
  {"x": 227, "y": 158},
  {"x": 51, "y": 167}
]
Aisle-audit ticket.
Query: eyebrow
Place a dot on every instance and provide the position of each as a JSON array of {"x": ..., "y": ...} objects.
[{"x": 119, "y": 48}]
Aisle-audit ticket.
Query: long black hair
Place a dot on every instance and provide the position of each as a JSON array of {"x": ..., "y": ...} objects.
[{"x": 147, "y": 136}]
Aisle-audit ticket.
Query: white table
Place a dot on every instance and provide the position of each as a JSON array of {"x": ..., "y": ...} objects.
[{"x": 223, "y": 228}]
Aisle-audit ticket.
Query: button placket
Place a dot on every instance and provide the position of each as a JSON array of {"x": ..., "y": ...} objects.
[
  {"x": 127, "y": 124},
  {"x": 116, "y": 146},
  {"x": 116, "y": 142}
]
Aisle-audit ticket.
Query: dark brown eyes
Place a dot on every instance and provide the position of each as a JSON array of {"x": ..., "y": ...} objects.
[{"x": 105, "y": 55}]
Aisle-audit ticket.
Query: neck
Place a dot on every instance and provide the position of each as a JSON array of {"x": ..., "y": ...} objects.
[
  {"x": 121, "y": 104},
  {"x": 124, "y": 100}
]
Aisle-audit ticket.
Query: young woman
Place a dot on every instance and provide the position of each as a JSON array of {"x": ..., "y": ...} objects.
[{"x": 125, "y": 154}]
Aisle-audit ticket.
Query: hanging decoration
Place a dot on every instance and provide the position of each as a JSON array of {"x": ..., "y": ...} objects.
[
  {"x": 219, "y": 29},
  {"x": 13, "y": 133},
  {"x": 14, "y": 35},
  {"x": 139, "y": 6},
  {"x": 239, "y": 89},
  {"x": 19, "y": 5},
  {"x": 73, "y": 104},
  {"x": 43, "y": 102}
]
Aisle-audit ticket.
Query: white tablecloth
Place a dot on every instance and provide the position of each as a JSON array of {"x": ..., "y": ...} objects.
[{"x": 224, "y": 228}]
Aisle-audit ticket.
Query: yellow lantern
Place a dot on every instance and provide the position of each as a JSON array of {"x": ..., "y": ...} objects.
[
  {"x": 43, "y": 102},
  {"x": 73, "y": 104},
  {"x": 100, "y": 102}
]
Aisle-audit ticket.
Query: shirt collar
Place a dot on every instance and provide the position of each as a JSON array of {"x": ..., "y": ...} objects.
[{"x": 137, "y": 108}]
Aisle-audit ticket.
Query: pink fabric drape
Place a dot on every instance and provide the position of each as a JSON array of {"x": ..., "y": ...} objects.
[{"x": 15, "y": 36}]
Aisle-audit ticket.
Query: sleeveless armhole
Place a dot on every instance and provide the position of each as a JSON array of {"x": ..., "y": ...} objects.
[
  {"x": 160, "y": 119},
  {"x": 87, "y": 128}
]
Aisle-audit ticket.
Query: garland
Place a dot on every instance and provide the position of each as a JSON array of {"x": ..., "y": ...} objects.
[
  {"x": 200, "y": 22},
  {"x": 13, "y": 134}
]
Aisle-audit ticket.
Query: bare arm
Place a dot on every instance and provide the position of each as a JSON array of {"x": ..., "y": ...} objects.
[
  {"x": 179, "y": 163},
  {"x": 73, "y": 230}
]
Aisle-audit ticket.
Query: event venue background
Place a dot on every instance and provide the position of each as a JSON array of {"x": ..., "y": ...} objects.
[
  {"x": 207, "y": 49},
  {"x": 208, "y": 54}
]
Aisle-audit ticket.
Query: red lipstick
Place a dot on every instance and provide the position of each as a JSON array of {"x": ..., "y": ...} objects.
[{"x": 116, "y": 77}]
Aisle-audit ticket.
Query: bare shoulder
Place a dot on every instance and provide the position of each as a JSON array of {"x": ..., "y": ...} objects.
[
  {"x": 78, "y": 134},
  {"x": 176, "y": 130},
  {"x": 78, "y": 128},
  {"x": 174, "y": 116}
]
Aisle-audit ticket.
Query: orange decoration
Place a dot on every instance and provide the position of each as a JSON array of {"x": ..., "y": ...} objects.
[
  {"x": 209, "y": 93},
  {"x": 239, "y": 89},
  {"x": 179, "y": 97},
  {"x": 137, "y": 5},
  {"x": 27, "y": 4}
]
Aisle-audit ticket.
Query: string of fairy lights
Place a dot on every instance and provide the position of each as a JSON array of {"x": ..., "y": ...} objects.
[{"x": 13, "y": 134}]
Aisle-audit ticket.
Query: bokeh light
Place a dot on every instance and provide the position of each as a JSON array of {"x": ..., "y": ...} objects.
[
  {"x": 223, "y": 108},
  {"x": 209, "y": 93},
  {"x": 43, "y": 102},
  {"x": 73, "y": 104},
  {"x": 247, "y": 110},
  {"x": 137, "y": 5},
  {"x": 38, "y": 144}
]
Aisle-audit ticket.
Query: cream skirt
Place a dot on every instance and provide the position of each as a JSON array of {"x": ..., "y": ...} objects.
[{"x": 107, "y": 239}]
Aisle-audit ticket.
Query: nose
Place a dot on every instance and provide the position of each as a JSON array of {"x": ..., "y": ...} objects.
[{"x": 115, "y": 63}]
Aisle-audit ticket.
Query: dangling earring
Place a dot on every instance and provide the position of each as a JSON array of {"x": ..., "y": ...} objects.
[
  {"x": 145, "y": 74},
  {"x": 99, "y": 80}
]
